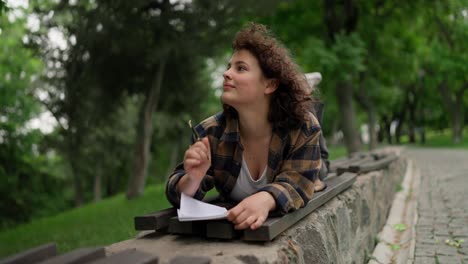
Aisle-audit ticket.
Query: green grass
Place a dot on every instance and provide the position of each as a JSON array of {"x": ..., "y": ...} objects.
[
  {"x": 438, "y": 139},
  {"x": 336, "y": 152},
  {"x": 96, "y": 224}
]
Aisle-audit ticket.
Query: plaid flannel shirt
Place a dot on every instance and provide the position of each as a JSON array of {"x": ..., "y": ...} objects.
[{"x": 293, "y": 162}]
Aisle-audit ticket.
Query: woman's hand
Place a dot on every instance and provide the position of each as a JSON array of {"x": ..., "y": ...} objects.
[
  {"x": 197, "y": 161},
  {"x": 252, "y": 211}
]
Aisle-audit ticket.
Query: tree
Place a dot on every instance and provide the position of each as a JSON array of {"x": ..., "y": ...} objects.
[
  {"x": 182, "y": 29},
  {"x": 118, "y": 50},
  {"x": 325, "y": 39},
  {"x": 447, "y": 66},
  {"x": 29, "y": 185}
]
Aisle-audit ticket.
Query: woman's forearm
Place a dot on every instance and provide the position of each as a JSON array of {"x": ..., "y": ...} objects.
[{"x": 188, "y": 186}]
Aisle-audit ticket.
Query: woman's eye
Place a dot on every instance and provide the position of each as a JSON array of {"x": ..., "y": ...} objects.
[{"x": 241, "y": 68}]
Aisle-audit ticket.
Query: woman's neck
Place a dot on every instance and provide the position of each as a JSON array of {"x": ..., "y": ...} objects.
[{"x": 254, "y": 124}]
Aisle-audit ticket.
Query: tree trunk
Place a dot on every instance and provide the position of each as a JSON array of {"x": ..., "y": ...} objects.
[
  {"x": 144, "y": 133},
  {"x": 342, "y": 16},
  {"x": 412, "y": 102},
  {"x": 73, "y": 155},
  {"x": 368, "y": 106},
  {"x": 344, "y": 94},
  {"x": 401, "y": 120},
  {"x": 386, "y": 128},
  {"x": 77, "y": 185},
  {"x": 173, "y": 159},
  {"x": 457, "y": 126},
  {"x": 97, "y": 188},
  {"x": 454, "y": 105},
  {"x": 97, "y": 185},
  {"x": 372, "y": 131},
  {"x": 333, "y": 140}
]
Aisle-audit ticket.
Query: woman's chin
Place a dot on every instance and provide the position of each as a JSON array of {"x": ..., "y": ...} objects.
[{"x": 226, "y": 99}]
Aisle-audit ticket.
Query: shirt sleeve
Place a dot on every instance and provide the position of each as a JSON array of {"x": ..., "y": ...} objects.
[
  {"x": 173, "y": 194},
  {"x": 293, "y": 186}
]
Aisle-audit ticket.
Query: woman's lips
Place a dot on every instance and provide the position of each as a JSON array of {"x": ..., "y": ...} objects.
[{"x": 228, "y": 86}]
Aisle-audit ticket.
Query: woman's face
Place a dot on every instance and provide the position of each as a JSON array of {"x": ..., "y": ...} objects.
[{"x": 244, "y": 83}]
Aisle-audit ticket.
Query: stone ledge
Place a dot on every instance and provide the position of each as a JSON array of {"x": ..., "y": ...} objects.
[{"x": 341, "y": 231}]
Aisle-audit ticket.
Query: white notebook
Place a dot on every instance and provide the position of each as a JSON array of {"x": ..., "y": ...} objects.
[{"x": 192, "y": 210}]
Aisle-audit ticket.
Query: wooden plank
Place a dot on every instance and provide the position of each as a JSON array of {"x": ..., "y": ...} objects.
[
  {"x": 187, "y": 228},
  {"x": 78, "y": 256},
  {"x": 155, "y": 221},
  {"x": 275, "y": 226},
  {"x": 33, "y": 255},
  {"x": 330, "y": 175},
  {"x": 355, "y": 167},
  {"x": 159, "y": 220},
  {"x": 190, "y": 260},
  {"x": 340, "y": 166},
  {"x": 128, "y": 256},
  {"x": 345, "y": 167},
  {"x": 379, "y": 164},
  {"x": 222, "y": 229}
]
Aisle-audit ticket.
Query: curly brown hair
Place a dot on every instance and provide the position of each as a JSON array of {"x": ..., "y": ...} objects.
[{"x": 289, "y": 103}]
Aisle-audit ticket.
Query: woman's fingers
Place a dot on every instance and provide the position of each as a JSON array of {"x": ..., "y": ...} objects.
[
  {"x": 206, "y": 144},
  {"x": 246, "y": 223},
  {"x": 202, "y": 145},
  {"x": 196, "y": 153},
  {"x": 260, "y": 220},
  {"x": 189, "y": 162},
  {"x": 199, "y": 149},
  {"x": 234, "y": 212}
]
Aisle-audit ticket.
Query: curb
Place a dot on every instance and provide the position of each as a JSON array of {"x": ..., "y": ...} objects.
[{"x": 397, "y": 237}]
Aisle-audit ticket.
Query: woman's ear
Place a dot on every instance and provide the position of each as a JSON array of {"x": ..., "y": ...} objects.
[{"x": 272, "y": 85}]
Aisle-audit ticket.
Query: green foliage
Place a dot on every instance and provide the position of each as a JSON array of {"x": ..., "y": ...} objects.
[
  {"x": 96, "y": 224},
  {"x": 3, "y": 7},
  {"x": 439, "y": 139},
  {"x": 457, "y": 243},
  {"x": 395, "y": 247},
  {"x": 29, "y": 184},
  {"x": 400, "y": 227}
]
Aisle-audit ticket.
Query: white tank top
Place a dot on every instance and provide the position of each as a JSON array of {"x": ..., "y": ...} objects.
[{"x": 245, "y": 185}]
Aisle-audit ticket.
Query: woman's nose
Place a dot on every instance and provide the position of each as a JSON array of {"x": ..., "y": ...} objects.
[{"x": 227, "y": 74}]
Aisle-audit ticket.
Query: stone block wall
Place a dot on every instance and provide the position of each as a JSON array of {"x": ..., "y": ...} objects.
[{"x": 343, "y": 230}]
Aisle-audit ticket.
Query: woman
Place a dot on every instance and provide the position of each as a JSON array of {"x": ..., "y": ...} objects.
[{"x": 263, "y": 149}]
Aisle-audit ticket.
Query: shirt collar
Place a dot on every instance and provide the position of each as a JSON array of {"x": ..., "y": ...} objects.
[{"x": 231, "y": 131}]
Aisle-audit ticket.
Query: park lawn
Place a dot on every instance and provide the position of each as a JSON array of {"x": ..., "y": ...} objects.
[
  {"x": 95, "y": 224},
  {"x": 439, "y": 139},
  {"x": 335, "y": 152}
]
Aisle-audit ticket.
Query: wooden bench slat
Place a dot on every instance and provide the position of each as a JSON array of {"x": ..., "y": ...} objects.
[
  {"x": 155, "y": 221},
  {"x": 190, "y": 260},
  {"x": 378, "y": 164},
  {"x": 339, "y": 167},
  {"x": 129, "y": 256},
  {"x": 187, "y": 228},
  {"x": 33, "y": 255},
  {"x": 222, "y": 229},
  {"x": 275, "y": 226},
  {"x": 78, "y": 256},
  {"x": 355, "y": 167}
]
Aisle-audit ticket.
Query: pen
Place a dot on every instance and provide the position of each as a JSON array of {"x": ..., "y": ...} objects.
[{"x": 196, "y": 136}]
